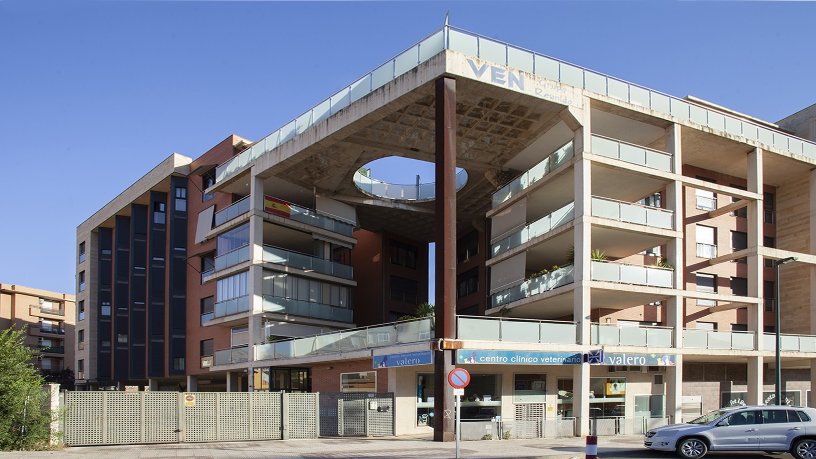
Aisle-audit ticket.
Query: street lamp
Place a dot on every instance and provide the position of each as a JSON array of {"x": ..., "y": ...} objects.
[{"x": 778, "y": 384}]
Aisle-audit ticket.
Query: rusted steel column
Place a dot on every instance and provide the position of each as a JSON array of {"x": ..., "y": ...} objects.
[{"x": 445, "y": 235}]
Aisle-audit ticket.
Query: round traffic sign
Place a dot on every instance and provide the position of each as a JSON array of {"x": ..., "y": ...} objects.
[{"x": 458, "y": 378}]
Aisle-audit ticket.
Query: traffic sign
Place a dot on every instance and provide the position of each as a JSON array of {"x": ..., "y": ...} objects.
[{"x": 458, "y": 378}]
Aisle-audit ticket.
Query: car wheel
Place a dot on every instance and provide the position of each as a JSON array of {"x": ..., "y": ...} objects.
[
  {"x": 692, "y": 448},
  {"x": 804, "y": 449}
]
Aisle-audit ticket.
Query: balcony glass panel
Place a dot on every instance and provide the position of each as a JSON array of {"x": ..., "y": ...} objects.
[
  {"x": 308, "y": 216},
  {"x": 302, "y": 308},
  {"x": 306, "y": 262},
  {"x": 706, "y": 250},
  {"x": 632, "y": 274},
  {"x": 515, "y": 330},
  {"x": 633, "y": 154},
  {"x": 632, "y": 213},
  {"x": 540, "y": 227},
  {"x": 234, "y": 211},
  {"x": 706, "y": 202},
  {"x": 522, "y": 182},
  {"x": 231, "y": 355},
  {"x": 233, "y": 258},
  {"x": 790, "y": 343},
  {"x": 207, "y": 317},
  {"x": 618, "y": 335},
  {"x": 535, "y": 286},
  {"x": 709, "y": 339},
  {"x": 232, "y": 306}
]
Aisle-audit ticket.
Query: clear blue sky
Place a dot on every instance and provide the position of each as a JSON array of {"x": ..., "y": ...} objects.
[{"x": 94, "y": 94}]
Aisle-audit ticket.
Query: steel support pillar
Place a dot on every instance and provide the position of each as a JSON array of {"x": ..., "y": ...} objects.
[{"x": 445, "y": 235}]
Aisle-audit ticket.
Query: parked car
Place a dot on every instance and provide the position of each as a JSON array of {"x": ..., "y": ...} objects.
[{"x": 746, "y": 428}]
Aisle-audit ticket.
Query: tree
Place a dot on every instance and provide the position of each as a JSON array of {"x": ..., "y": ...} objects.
[
  {"x": 422, "y": 310},
  {"x": 24, "y": 418}
]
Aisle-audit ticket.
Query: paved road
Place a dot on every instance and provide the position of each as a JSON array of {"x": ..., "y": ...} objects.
[{"x": 416, "y": 447}]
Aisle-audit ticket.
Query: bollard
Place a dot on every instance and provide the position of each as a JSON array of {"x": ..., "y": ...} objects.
[{"x": 591, "y": 447}]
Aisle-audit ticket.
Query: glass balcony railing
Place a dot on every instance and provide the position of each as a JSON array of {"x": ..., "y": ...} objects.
[
  {"x": 355, "y": 339},
  {"x": 535, "y": 286},
  {"x": 515, "y": 330},
  {"x": 706, "y": 250},
  {"x": 283, "y": 257},
  {"x": 705, "y": 202},
  {"x": 235, "y": 210},
  {"x": 54, "y": 330},
  {"x": 540, "y": 227},
  {"x": 232, "y": 258},
  {"x": 308, "y": 216},
  {"x": 632, "y": 213},
  {"x": 522, "y": 182},
  {"x": 651, "y": 276},
  {"x": 232, "y": 306},
  {"x": 712, "y": 339},
  {"x": 622, "y": 335},
  {"x": 51, "y": 349},
  {"x": 33, "y": 310},
  {"x": 302, "y": 308},
  {"x": 416, "y": 192},
  {"x": 789, "y": 343},
  {"x": 232, "y": 355},
  {"x": 630, "y": 153},
  {"x": 206, "y": 317}
]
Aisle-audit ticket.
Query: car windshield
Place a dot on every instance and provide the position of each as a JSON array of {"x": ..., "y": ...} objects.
[{"x": 708, "y": 417}]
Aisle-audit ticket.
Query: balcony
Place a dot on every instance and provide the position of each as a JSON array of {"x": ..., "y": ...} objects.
[
  {"x": 46, "y": 329},
  {"x": 232, "y": 306},
  {"x": 632, "y": 213},
  {"x": 302, "y": 308},
  {"x": 310, "y": 217},
  {"x": 39, "y": 310},
  {"x": 708, "y": 203},
  {"x": 789, "y": 343},
  {"x": 235, "y": 210},
  {"x": 419, "y": 192},
  {"x": 230, "y": 259},
  {"x": 51, "y": 349},
  {"x": 355, "y": 339},
  {"x": 540, "y": 227},
  {"x": 515, "y": 330},
  {"x": 534, "y": 286},
  {"x": 536, "y": 173},
  {"x": 232, "y": 355},
  {"x": 630, "y": 153},
  {"x": 712, "y": 339},
  {"x": 706, "y": 250},
  {"x": 621, "y": 273},
  {"x": 305, "y": 262},
  {"x": 620, "y": 335}
]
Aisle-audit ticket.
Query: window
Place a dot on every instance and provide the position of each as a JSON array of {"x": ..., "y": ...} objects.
[
  {"x": 769, "y": 207},
  {"x": 467, "y": 247},
  {"x": 769, "y": 295},
  {"x": 206, "y": 347},
  {"x": 181, "y": 199},
  {"x": 82, "y": 251},
  {"x": 82, "y": 281},
  {"x": 208, "y": 180},
  {"x": 178, "y": 363},
  {"x": 425, "y": 399},
  {"x": 80, "y": 365},
  {"x": 706, "y": 283},
  {"x": 803, "y": 417},
  {"x": 80, "y": 336},
  {"x": 706, "y": 241},
  {"x": 789, "y": 397},
  {"x": 739, "y": 286},
  {"x": 403, "y": 255},
  {"x": 467, "y": 283},
  {"x": 81, "y": 310},
  {"x": 739, "y": 327},
  {"x": 105, "y": 309},
  {"x": 207, "y": 309},
  {"x": 653, "y": 200},
  {"x": 233, "y": 239},
  {"x": 739, "y": 240},
  {"x": 207, "y": 263},
  {"x": 741, "y": 418},
  {"x": 234, "y": 286},
  {"x": 122, "y": 338},
  {"x": 404, "y": 290},
  {"x": 564, "y": 392},
  {"x": 529, "y": 388},
  {"x": 159, "y": 210},
  {"x": 358, "y": 382},
  {"x": 706, "y": 200},
  {"x": 239, "y": 336},
  {"x": 776, "y": 417}
]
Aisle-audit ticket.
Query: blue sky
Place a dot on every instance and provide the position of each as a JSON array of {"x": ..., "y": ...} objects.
[{"x": 94, "y": 94}]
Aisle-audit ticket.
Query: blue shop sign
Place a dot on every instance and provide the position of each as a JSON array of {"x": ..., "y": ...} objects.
[
  {"x": 404, "y": 359},
  {"x": 651, "y": 360},
  {"x": 464, "y": 356}
]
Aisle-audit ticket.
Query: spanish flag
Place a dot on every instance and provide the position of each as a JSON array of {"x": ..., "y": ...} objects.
[{"x": 277, "y": 207}]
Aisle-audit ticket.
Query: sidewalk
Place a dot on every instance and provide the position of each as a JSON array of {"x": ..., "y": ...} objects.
[{"x": 561, "y": 448}]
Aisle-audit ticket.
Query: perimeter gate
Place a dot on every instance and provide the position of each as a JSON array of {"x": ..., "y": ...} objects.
[
  {"x": 362, "y": 414},
  {"x": 117, "y": 418}
]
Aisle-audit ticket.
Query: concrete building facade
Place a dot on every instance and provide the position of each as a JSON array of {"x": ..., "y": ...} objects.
[
  {"x": 572, "y": 212},
  {"x": 49, "y": 319}
]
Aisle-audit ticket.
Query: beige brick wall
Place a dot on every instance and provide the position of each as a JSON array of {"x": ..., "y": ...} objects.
[{"x": 793, "y": 233}]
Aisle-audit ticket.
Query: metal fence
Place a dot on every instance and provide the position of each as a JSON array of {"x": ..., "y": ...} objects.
[
  {"x": 616, "y": 425},
  {"x": 361, "y": 414},
  {"x": 117, "y": 418},
  {"x": 492, "y": 429}
]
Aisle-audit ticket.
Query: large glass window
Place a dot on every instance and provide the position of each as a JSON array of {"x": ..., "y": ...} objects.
[
  {"x": 404, "y": 290},
  {"x": 789, "y": 397},
  {"x": 358, "y": 382},
  {"x": 239, "y": 336},
  {"x": 467, "y": 283},
  {"x": 482, "y": 398},
  {"x": 565, "y": 397},
  {"x": 283, "y": 285},
  {"x": 706, "y": 241},
  {"x": 529, "y": 388},
  {"x": 650, "y": 406},
  {"x": 208, "y": 180},
  {"x": 231, "y": 287},
  {"x": 739, "y": 286},
  {"x": 467, "y": 246},
  {"x": 159, "y": 211},
  {"x": 181, "y": 199},
  {"x": 425, "y": 399},
  {"x": 607, "y": 397},
  {"x": 233, "y": 239},
  {"x": 403, "y": 255},
  {"x": 706, "y": 283}
]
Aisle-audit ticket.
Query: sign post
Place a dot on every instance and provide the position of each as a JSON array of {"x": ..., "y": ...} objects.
[{"x": 458, "y": 378}]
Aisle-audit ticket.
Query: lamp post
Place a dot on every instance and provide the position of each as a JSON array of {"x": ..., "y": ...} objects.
[{"x": 778, "y": 384}]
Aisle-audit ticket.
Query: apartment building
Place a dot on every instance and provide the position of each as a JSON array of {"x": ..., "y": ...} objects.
[
  {"x": 603, "y": 250},
  {"x": 49, "y": 319}
]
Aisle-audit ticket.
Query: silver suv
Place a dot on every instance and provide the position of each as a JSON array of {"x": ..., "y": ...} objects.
[{"x": 746, "y": 428}]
